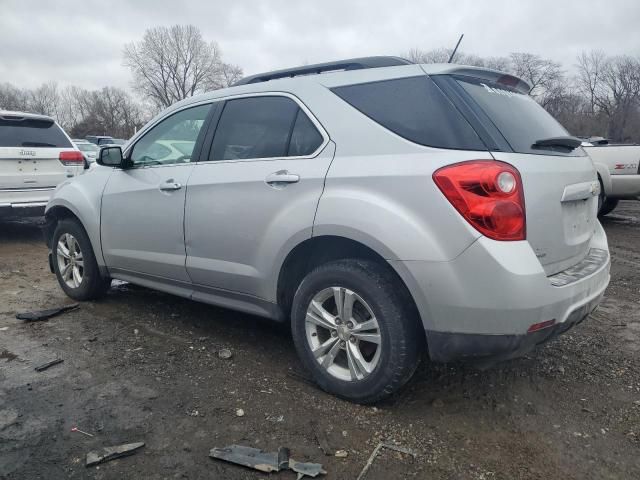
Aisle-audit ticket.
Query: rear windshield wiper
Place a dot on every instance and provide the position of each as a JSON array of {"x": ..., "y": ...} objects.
[
  {"x": 38, "y": 144},
  {"x": 568, "y": 142}
]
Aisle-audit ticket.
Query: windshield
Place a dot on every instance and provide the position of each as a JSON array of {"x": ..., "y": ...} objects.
[{"x": 520, "y": 119}]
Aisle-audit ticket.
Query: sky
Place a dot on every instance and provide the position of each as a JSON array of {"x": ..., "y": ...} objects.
[{"x": 80, "y": 42}]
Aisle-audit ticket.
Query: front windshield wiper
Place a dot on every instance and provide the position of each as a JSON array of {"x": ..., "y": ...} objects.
[{"x": 568, "y": 142}]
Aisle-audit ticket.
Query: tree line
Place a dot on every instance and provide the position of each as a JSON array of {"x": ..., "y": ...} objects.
[{"x": 600, "y": 97}]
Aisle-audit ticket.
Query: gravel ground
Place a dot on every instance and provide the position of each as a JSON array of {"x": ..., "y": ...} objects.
[{"x": 144, "y": 366}]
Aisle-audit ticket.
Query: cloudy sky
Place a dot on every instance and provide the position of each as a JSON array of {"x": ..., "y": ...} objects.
[{"x": 80, "y": 41}]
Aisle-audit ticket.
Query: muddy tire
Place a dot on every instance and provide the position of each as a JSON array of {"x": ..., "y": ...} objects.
[
  {"x": 74, "y": 262},
  {"x": 608, "y": 206},
  {"x": 355, "y": 331}
]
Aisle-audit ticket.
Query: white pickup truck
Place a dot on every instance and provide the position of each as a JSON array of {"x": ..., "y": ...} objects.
[{"x": 618, "y": 169}]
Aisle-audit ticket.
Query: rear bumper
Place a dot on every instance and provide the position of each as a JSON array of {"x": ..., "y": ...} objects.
[
  {"x": 24, "y": 202},
  {"x": 625, "y": 186},
  {"x": 481, "y": 305}
]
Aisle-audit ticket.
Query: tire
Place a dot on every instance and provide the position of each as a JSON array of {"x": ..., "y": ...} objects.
[
  {"x": 608, "y": 206},
  {"x": 69, "y": 233},
  {"x": 375, "y": 371}
]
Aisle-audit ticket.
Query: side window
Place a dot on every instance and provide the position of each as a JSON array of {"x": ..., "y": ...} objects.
[
  {"x": 305, "y": 138},
  {"x": 415, "y": 109},
  {"x": 262, "y": 127},
  {"x": 172, "y": 140}
]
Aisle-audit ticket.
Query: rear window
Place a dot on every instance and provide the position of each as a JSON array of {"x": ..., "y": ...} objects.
[
  {"x": 32, "y": 133},
  {"x": 518, "y": 116},
  {"x": 415, "y": 109}
]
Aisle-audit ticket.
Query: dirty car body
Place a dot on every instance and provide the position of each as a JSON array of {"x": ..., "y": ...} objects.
[{"x": 388, "y": 206}]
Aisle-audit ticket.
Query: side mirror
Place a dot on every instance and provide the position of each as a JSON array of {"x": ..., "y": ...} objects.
[{"x": 110, "y": 157}]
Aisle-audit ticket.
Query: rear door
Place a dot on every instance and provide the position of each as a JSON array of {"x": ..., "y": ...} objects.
[
  {"x": 256, "y": 193},
  {"x": 560, "y": 184},
  {"x": 29, "y": 154}
]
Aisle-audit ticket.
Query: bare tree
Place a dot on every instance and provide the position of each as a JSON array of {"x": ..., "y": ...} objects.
[
  {"x": 45, "y": 99},
  {"x": 541, "y": 74},
  {"x": 590, "y": 77},
  {"x": 172, "y": 63},
  {"x": 13, "y": 98}
]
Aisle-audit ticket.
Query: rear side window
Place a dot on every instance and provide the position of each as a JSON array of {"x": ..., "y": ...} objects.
[
  {"x": 32, "y": 133},
  {"x": 415, "y": 109},
  {"x": 519, "y": 118},
  {"x": 263, "y": 127}
]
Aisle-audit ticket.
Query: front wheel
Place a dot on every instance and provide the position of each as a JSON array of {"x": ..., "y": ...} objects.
[
  {"x": 355, "y": 331},
  {"x": 75, "y": 264},
  {"x": 608, "y": 206}
]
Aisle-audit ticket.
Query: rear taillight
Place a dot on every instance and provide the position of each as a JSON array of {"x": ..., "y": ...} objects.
[
  {"x": 489, "y": 196},
  {"x": 72, "y": 157}
]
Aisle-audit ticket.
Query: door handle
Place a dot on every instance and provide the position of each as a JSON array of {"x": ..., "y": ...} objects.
[
  {"x": 170, "y": 186},
  {"x": 282, "y": 176}
]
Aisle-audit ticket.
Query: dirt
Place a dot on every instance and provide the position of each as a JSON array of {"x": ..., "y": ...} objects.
[{"x": 143, "y": 366}]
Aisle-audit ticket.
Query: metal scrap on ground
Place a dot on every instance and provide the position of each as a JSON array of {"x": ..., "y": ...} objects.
[
  {"x": 111, "y": 453},
  {"x": 265, "y": 461},
  {"x": 45, "y": 314},
  {"x": 374, "y": 454},
  {"x": 44, "y": 366}
]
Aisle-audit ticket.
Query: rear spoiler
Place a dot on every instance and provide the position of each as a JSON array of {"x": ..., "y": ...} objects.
[
  {"x": 22, "y": 117},
  {"x": 493, "y": 76}
]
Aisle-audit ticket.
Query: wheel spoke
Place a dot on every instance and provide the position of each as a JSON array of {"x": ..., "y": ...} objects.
[
  {"x": 323, "y": 348},
  {"x": 338, "y": 297},
  {"x": 358, "y": 366},
  {"x": 368, "y": 337},
  {"x": 371, "y": 324},
  {"x": 77, "y": 278},
  {"x": 65, "y": 273},
  {"x": 80, "y": 263},
  {"x": 318, "y": 315},
  {"x": 63, "y": 251},
  {"x": 331, "y": 355}
]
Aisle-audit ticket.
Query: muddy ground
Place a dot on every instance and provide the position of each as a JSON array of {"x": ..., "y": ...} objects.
[{"x": 143, "y": 366}]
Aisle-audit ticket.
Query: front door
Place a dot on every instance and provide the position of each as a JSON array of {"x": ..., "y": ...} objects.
[{"x": 143, "y": 205}]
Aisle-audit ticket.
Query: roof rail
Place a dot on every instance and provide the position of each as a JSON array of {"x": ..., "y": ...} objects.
[{"x": 349, "y": 64}]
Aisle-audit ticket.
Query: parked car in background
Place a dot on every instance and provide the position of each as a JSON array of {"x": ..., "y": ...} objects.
[
  {"x": 88, "y": 149},
  {"x": 380, "y": 210},
  {"x": 35, "y": 156},
  {"x": 117, "y": 141},
  {"x": 99, "y": 139},
  {"x": 618, "y": 171}
]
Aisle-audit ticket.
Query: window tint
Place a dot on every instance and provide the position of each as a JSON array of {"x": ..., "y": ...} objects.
[
  {"x": 518, "y": 117},
  {"x": 255, "y": 127},
  {"x": 305, "y": 138},
  {"x": 157, "y": 146},
  {"x": 415, "y": 109},
  {"x": 32, "y": 133}
]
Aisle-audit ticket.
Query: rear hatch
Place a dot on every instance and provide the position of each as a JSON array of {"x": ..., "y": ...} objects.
[
  {"x": 560, "y": 182},
  {"x": 29, "y": 153}
]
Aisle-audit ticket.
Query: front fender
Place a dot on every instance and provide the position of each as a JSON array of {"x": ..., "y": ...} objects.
[
  {"x": 82, "y": 196},
  {"x": 605, "y": 176}
]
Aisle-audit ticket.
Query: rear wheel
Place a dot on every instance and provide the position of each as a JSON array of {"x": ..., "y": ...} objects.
[
  {"x": 75, "y": 264},
  {"x": 608, "y": 206},
  {"x": 354, "y": 331}
]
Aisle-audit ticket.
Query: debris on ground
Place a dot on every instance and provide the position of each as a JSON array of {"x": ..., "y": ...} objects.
[
  {"x": 342, "y": 454},
  {"x": 323, "y": 440},
  {"x": 267, "y": 462},
  {"x": 225, "y": 354},
  {"x": 375, "y": 452},
  {"x": 111, "y": 453},
  {"x": 44, "y": 366},
  {"x": 239, "y": 412},
  {"x": 76, "y": 429},
  {"x": 45, "y": 314}
]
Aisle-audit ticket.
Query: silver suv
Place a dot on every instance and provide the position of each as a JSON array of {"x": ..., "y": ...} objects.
[{"x": 382, "y": 208}]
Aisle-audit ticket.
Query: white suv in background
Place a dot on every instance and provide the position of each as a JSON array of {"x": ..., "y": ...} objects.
[{"x": 35, "y": 156}]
